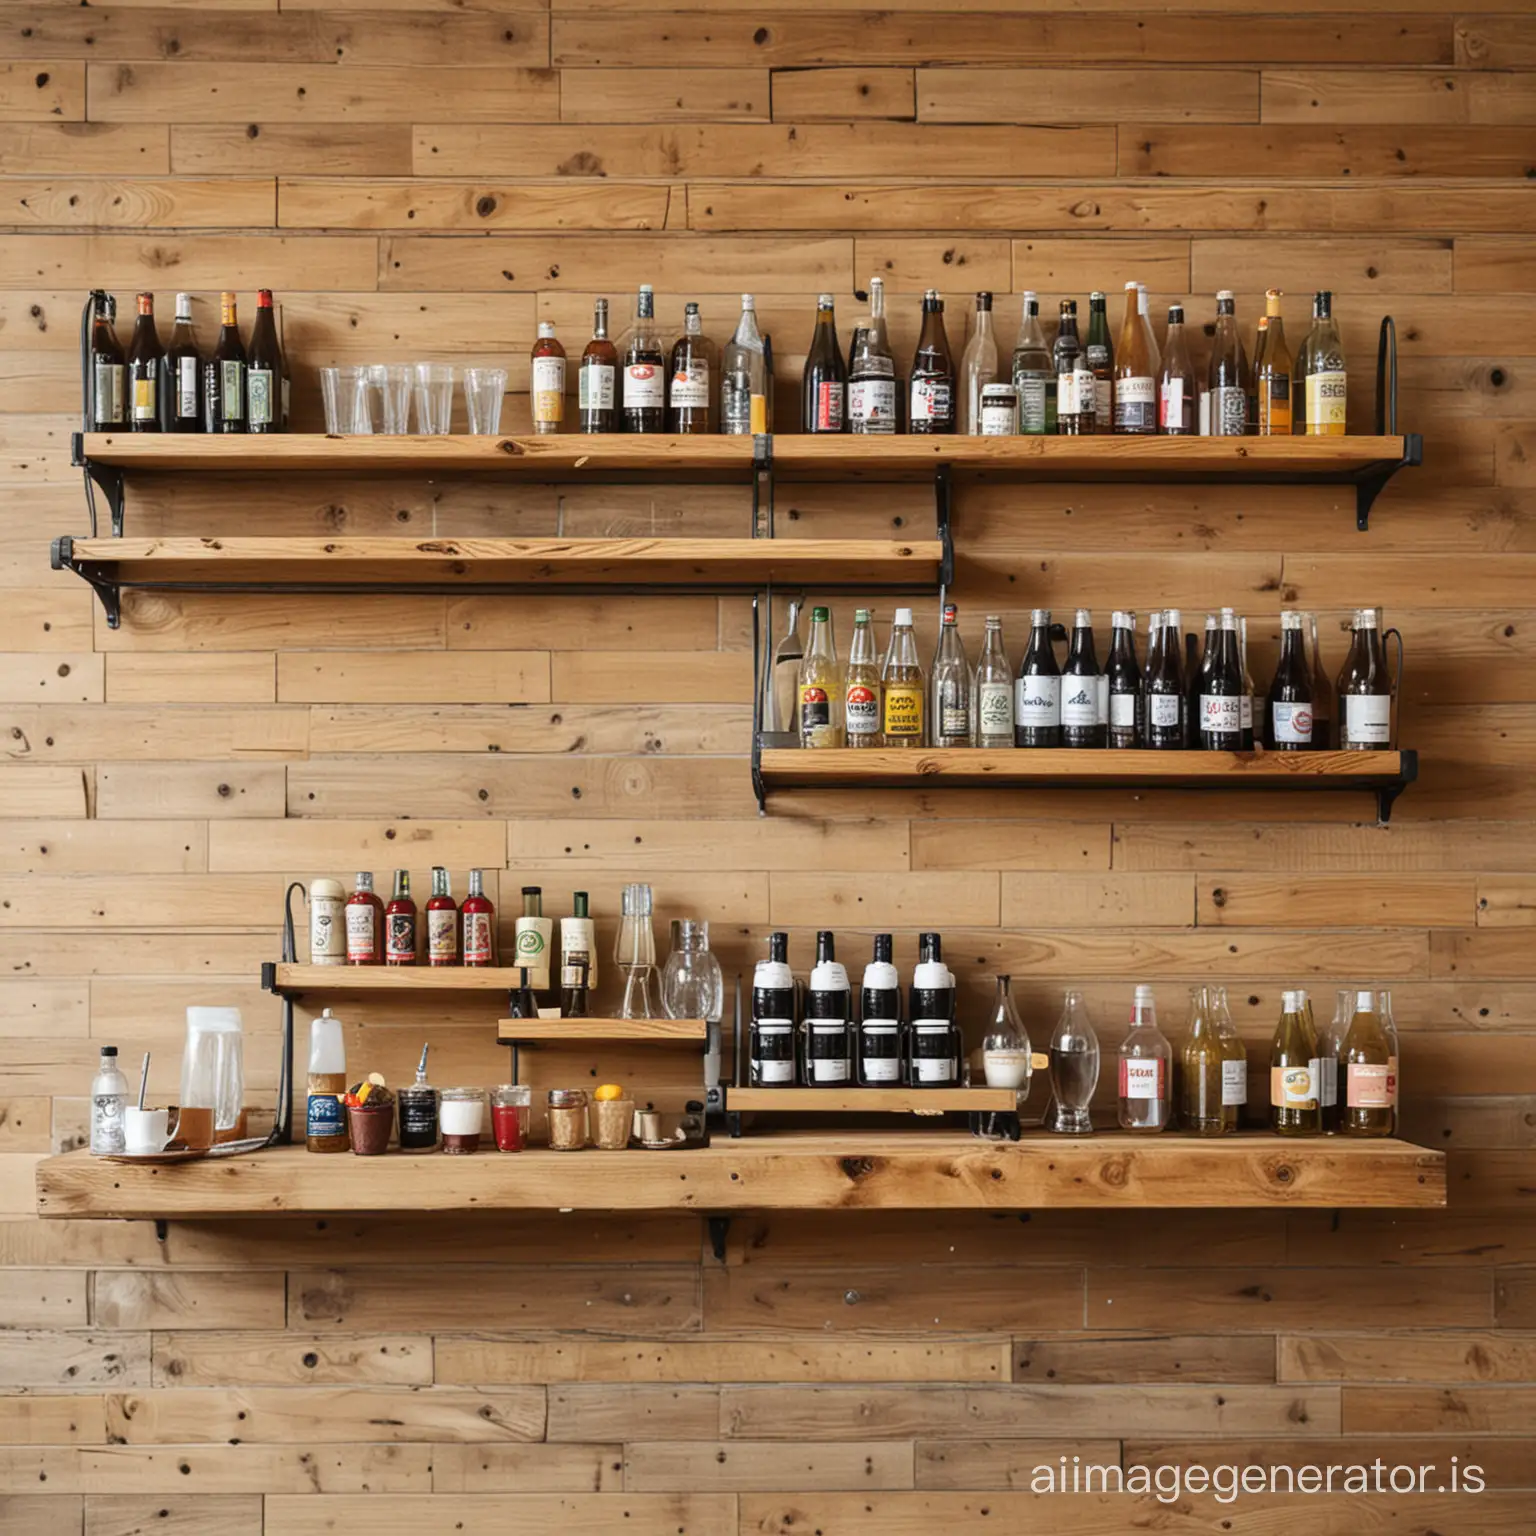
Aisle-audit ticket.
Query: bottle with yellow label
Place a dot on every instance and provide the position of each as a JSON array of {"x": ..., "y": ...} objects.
[
  {"x": 820, "y": 695},
  {"x": 1321, "y": 379},
  {"x": 1295, "y": 1103},
  {"x": 903, "y": 687}
]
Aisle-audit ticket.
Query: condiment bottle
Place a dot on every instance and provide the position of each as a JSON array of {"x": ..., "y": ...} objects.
[
  {"x": 109, "y": 1096},
  {"x": 578, "y": 940},
  {"x": 477, "y": 924},
  {"x": 400, "y": 923},
  {"x": 442, "y": 921},
  {"x": 326, "y": 1120},
  {"x": 327, "y": 925},
  {"x": 365, "y": 923},
  {"x": 418, "y": 1111}
]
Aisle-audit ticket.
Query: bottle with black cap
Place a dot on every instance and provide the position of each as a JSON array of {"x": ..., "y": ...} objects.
[
  {"x": 826, "y": 1034},
  {"x": 771, "y": 1043},
  {"x": 880, "y": 1042},
  {"x": 934, "y": 1039}
]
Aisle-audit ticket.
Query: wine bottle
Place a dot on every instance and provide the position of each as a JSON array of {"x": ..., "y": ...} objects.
[
  {"x": 264, "y": 378},
  {"x": 146, "y": 369},
  {"x": 224, "y": 377}
]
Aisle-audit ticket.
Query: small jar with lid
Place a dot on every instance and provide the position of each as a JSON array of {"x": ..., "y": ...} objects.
[
  {"x": 461, "y": 1115},
  {"x": 567, "y": 1109},
  {"x": 327, "y": 923}
]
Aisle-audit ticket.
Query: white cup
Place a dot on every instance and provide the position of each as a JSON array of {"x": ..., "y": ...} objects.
[{"x": 145, "y": 1130}]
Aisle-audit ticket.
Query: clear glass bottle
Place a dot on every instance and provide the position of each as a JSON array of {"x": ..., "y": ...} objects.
[
  {"x": 109, "y": 1103},
  {"x": 978, "y": 366},
  {"x": 692, "y": 985},
  {"x": 992, "y": 697},
  {"x": 903, "y": 694},
  {"x": 596, "y": 376},
  {"x": 1135, "y": 372},
  {"x": 1227, "y": 377},
  {"x": 1234, "y": 1059},
  {"x": 744, "y": 377},
  {"x": 1295, "y": 1107},
  {"x": 1005, "y": 1063},
  {"x": 1394, "y": 1075},
  {"x": 1177, "y": 395},
  {"x": 781, "y": 708},
  {"x": 546, "y": 381},
  {"x": 1321, "y": 378},
  {"x": 1272, "y": 386},
  {"x": 872, "y": 406},
  {"x": 1146, "y": 1069},
  {"x": 861, "y": 686},
  {"x": 635, "y": 952},
  {"x": 1330, "y": 1037},
  {"x": 1074, "y": 1069},
  {"x": 819, "y": 692},
  {"x": 1367, "y": 1059},
  {"x": 1200, "y": 1063},
  {"x": 1034, "y": 374},
  {"x": 950, "y": 686}
]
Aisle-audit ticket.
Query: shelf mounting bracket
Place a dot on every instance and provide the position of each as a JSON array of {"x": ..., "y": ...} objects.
[
  {"x": 62, "y": 558},
  {"x": 109, "y": 477},
  {"x": 719, "y": 1228},
  {"x": 1374, "y": 480},
  {"x": 943, "y": 499},
  {"x": 762, "y": 485}
]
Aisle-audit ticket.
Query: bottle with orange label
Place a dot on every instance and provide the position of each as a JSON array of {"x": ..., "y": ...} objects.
[
  {"x": 820, "y": 693},
  {"x": 861, "y": 688},
  {"x": 904, "y": 692}
]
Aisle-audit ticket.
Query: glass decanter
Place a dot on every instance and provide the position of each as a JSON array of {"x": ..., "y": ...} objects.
[{"x": 1074, "y": 1069}]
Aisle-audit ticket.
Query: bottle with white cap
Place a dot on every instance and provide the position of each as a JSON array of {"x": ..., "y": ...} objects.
[
  {"x": 902, "y": 687},
  {"x": 771, "y": 1039},
  {"x": 934, "y": 1036},
  {"x": 826, "y": 1054},
  {"x": 880, "y": 1042},
  {"x": 1146, "y": 1069}
]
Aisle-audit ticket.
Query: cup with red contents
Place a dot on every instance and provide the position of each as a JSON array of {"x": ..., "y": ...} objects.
[
  {"x": 370, "y": 1115},
  {"x": 510, "y": 1108}
]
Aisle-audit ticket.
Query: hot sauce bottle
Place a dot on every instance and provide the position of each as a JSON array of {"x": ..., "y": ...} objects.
[
  {"x": 477, "y": 924},
  {"x": 365, "y": 923},
  {"x": 400, "y": 923},
  {"x": 442, "y": 921}
]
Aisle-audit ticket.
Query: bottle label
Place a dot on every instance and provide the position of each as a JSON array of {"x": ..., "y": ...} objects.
[
  {"x": 362, "y": 942},
  {"x": 775, "y": 1071},
  {"x": 829, "y": 406},
  {"x": 1070, "y": 398},
  {"x": 529, "y": 942},
  {"x": 1136, "y": 405},
  {"x": 1034, "y": 390},
  {"x": 594, "y": 387},
  {"x": 327, "y": 936},
  {"x": 1141, "y": 1077},
  {"x": 109, "y": 394},
  {"x": 258, "y": 384},
  {"x": 108, "y": 1124},
  {"x": 903, "y": 710},
  {"x": 1392, "y": 1081},
  {"x": 1173, "y": 406},
  {"x": 1326, "y": 394},
  {"x": 1037, "y": 702},
  {"x": 1245, "y": 712},
  {"x": 1080, "y": 702},
  {"x": 736, "y": 404},
  {"x": 994, "y": 707},
  {"x": 1229, "y": 412},
  {"x": 1368, "y": 718},
  {"x": 418, "y": 1115},
  {"x": 1122, "y": 710},
  {"x": 1221, "y": 713},
  {"x": 231, "y": 389},
  {"x": 548, "y": 389},
  {"x": 145, "y": 401},
  {"x": 999, "y": 416},
  {"x": 1104, "y": 404},
  {"x": 1293, "y": 722},
  {"x": 1367, "y": 1087},
  {"x": 1163, "y": 709},
  {"x": 882, "y": 1069},
  {"x": 1234, "y": 1082},
  {"x": 830, "y": 1069},
  {"x": 1294, "y": 1087},
  {"x": 690, "y": 386},
  {"x": 861, "y": 709},
  {"x": 872, "y": 404},
  {"x": 1328, "y": 1081},
  {"x": 186, "y": 388},
  {"x": 815, "y": 711},
  {"x": 325, "y": 1116},
  {"x": 643, "y": 387},
  {"x": 400, "y": 936},
  {"x": 477, "y": 938},
  {"x": 442, "y": 934},
  {"x": 954, "y": 715},
  {"x": 932, "y": 400}
]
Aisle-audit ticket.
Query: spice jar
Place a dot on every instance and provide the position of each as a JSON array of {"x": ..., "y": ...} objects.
[
  {"x": 568, "y": 1119},
  {"x": 612, "y": 1122},
  {"x": 461, "y": 1115},
  {"x": 510, "y": 1106}
]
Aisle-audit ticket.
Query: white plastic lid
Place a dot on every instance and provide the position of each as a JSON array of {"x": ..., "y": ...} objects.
[
  {"x": 546, "y": 327},
  {"x": 903, "y": 615},
  {"x": 1144, "y": 997},
  {"x": 213, "y": 1021},
  {"x": 322, "y": 887},
  {"x": 1365, "y": 1002}
]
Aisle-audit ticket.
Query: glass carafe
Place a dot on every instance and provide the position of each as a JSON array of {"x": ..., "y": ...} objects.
[
  {"x": 635, "y": 952},
  {"x": 213, "y": 1068},
  {"x": 1074, "y": 1069},
  {"x": 1005, "y": 1063},
  {"x": 692, "y": 986}
]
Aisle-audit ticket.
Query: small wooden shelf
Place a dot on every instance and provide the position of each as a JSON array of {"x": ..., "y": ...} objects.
[
  {"x": 869, "y": 1101},
  {"x": 578, "y": 1031},
  {"x": 397, "y": 979},
  {"x": 786, "y": 1170}
]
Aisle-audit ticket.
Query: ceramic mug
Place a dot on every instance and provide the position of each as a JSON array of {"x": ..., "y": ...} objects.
[{"x": 145, "y": 1130}]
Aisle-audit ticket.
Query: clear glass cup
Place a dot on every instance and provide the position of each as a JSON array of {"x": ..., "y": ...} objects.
[
  {"x": 511, "y": 1105},
  {"x": 635, "y": 953},
  {"x": 484, "y": 390},
  {"x": 391, "y": 384},
  {"x": 612, "y": 1121},
  {"x": 434, "y": 398},
  {"x": 1074, "y": 1069},
  {"x": 344, "y": 392}
]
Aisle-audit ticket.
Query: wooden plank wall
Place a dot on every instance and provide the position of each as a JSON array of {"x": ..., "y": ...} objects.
[{"x": 431, "y": 181}]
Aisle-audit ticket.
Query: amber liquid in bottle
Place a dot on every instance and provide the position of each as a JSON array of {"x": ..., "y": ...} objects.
[
  {"x": 596, "y": 377},
  {"x": 145, "y": 370},
  {"x": 264, "y": 377},
  {"x": 224, "y": 377}
]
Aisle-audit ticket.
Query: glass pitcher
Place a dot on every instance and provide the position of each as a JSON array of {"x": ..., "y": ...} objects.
[{"x": 213, "y": 1069}]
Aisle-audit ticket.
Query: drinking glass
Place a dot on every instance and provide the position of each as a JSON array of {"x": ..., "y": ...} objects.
[
  {"x": 345, "y": 393},
  {"x": 434, "y": 398},
  {"x": 392, "y": 383},
  {"x": 636, "y": 952},
  {"x": 484, "y": 390}
]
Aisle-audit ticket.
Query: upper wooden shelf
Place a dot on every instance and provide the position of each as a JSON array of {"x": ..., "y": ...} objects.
[
  {"x": 908, "y": 1170},
  {"x": 585, "y": 1031},
  {"x": 397, "y": 979}
]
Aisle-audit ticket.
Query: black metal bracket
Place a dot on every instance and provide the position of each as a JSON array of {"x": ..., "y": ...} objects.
[
  {"x": 719, "y": 1228},
  {"x": 105, "y": 586},
  {"x": 943, "y": 499},
  {"x": 762, "y": 485},
  {"x": 110, "y": 479},
  {"x": 762, "y": 680},
  {"x": 1387, "y": 793},
  {"x": 1372, "y": 481},
  {"x": 162, "y": 1229}
]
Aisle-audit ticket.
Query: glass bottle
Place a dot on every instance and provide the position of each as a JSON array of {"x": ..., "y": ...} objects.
[
  {"x": 145, "y": 369},
  {"x": 644, "y": 404},
  {"x": 1166, "y": 708},
  {"x": 819, "y": 690},
  {"x": 1221, "y": 690},
  {"x": 264, "y": 376},
  {"x": 861, "y": 686},
  {"x": 1146, "y": 1069},
  {"x": 477, "y": 924},
  {"x": 1247, "y": 704},
  {"x": 1080, "y": 722},
  {"x": 1394, "y": 1075},
  {"x": 1364, "y": 689},
  {"x": 596, "y": 376},
  {"x": 950, "y": 686},
  {"x": 109, "y": 394},
  {"x": 933, "y": 1034},
  {"x": 533, "y": 937},
  {"x": 1330, "y": 1041},
  {"x": 1037, "y": 693},
  {"x": 903, "y": 694},
  {"x": 771, "y": 1033},
  {"x": 824, "y": 384},
  {"x": 109, "y": 1103},
  {"x": 546, "y": 381},
  {"x": 635, "y": 952},
  {"x": 690, "y": 379},
  {"x": 442, "y": 921},
  {"x": 1148, "y": 335},
  {"x": 1260, "y": 342},
  {"x": 978, "y": 365},
  {"x": 1100, "y": 354},
  {"x": 1288, "y": 719},
  {"x": 418, "y": 1111},
  {"x": 1365, "y": 1058},
  {"x": 1034, "y": 374},
  {"x": 1273, "y": 386},
  {"x": 783, "y": 705},
  {"x": 1135, "y": 373},
  {"x": 1227, "y": 375},
  {"x": 744, "y": 377},
  {"x": 1176, "y": 392},
  {"x": 872, "y": 371},
  {"x": 1074, "y": 1069},
  {"x": 1234, "y": 1059},
  {"x": 1321, "y": 390},
  {"x": 224, "y": 377},
  {"x": 1005, "y": 1063},
  {"x": 692, "y": 985},
  {"x": 1295, "y": 1106},
  {"x": 992, "y": 697},
  {"x": 325, "y": 1117},
  {"x": 1127, "y": 703},
  {"x": 882, "y": 1048},
  {"x": 931, "y": 385},
  {"x": 1322, "y": 694},
  {"x": 180, "y": 380},
  {"x": 826, "y": 1033},
  {"x": 400, "y": 923},
  {"x": 1201, "y": 1107},
  {"x": 1075, "y": 389},
  {"x": 365, "y": 923}
]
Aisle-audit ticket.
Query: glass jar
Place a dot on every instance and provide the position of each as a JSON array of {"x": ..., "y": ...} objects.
[
  {"x": 568, "y": 1119},
  {"x": 511, "y": 1105},
  {"x": 461, "y": 1117},
  {"x": 612, "y": 1122}
]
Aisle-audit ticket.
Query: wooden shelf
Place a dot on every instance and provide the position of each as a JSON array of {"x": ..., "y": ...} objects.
[
  {"x": 576, "y": 1031},
  {"x": 869, "y": 1101},
  {"x": 909, "y": 1170},
  {"x": 397, "y": 979}
]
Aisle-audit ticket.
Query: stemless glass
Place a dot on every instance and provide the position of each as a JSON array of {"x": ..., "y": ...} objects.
[
  {"x": 392, "y": 383},
  {"x": 345, "y": 393},
  {"x": 434, "y": 398},
  {"x": 484, "y": 390}
]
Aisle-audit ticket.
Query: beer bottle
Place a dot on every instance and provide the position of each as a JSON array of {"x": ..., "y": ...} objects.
[
  {"x": 1100, "y": 353},
  {"x": 690, "y": 378},
  {"x": 224, "y": 377},
  {"x": 1365, "y": 692},
  {"x": 181, "y": 377},
  {"x": 644, "y": 404},
  {"x": 1135, "y": 373},
  {"x": 1034, "y": 374},
  {"x": 108, "y": 367},
  {"x": 1321, "y": 381},
  {"x": 861, "y": 689},
  {"x": 1075, "y": 398},
  {"x": 819, "y": 699},
  {"x": 596, "y": 376},
  {"x": 1176, "y": 384},
  {"x": 931, "y": 388},
  {"x": 823, "y": 386},
  {"x": 1289, "y": 716},
  {"x": 872, "y": 371},
  {"x": 1228, "y": 372},
  {"x": 949, "y": 685},
  {"x": 1221, "y": 692},
  {"x": 901, "y": 686},
  {"x": 145, "y": 367},
  {"x": 1127, "y": 706},
  {"x": 1037, "y": 694},
  {"x": 1365, "y": 1059},
  {"x": 264, "y": 377},
  {"x": 546, "y": 381},
  {"x": 1146, "y": 1070},
  {"x": 1200, "y": 674},
  {"x": 1234, "y": 1059},
  {"x": 1273, "y": 386},
  {"x": 1322, "y": 694},
  {"x": 1295, "y": 1106},
  {"x": 1080, "y": 725},
  {"x": 978, "y": 365},
  {"x": 1202, "y": 1063},
  {"x": 992, "y": 710},
  {"x": 1166, "y": 720}
]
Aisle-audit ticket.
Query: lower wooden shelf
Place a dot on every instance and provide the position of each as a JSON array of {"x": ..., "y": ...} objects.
[
  {"x": 911, "y": 1170},
  {"x": 866, "y": 1101}
]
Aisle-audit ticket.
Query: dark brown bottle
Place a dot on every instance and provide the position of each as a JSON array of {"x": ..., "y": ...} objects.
[
  {"x": 264, "y": 376},
  {"x": 1127, "y": 700},
  {"x": 1322, "y": 694},
  {"x": 1101, "y": 360},
  {"x": 181, "y": 405},
  {"x": 644, "y": 407},
  {"x": 1221, "y": 691},
  {"x": 1365, "y": 691},
  {"x": 1081, "y": 725},
  {"x": 595, "y": 378},
  {"x": 691, "y": 378},
  {"x": 1166, "y": 727},
  {"x": 145, "y": 370},
  {"x": 824, "y": 385},
  {"x": 224, "y": 377},
  {"x": 1037, "y": 692},
  {"x": 931, "y": 389},
  {"x": 1288, "y": 720},
  {"x": 109, "y": 391},
  {"x": 1073, "y": 378}
]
